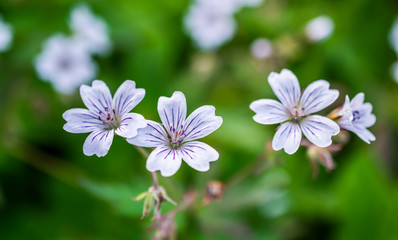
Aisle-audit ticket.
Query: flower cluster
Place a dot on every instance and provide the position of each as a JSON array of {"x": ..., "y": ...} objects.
[
  {"x": 66, "y": 61},
  {"x": 295, "y": 113},
  {"x": 5, "y": 35},
  {"x": 174, "y": 141},
  {"x": 211, "y": 23}
]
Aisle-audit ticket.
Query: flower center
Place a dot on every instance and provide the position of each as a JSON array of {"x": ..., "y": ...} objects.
[
  {"x": 355, "y": 115},
  {"x": 297, "y": 113},
  {"x": 176, "y": 137},
  {"x": 109, "y": 119}
]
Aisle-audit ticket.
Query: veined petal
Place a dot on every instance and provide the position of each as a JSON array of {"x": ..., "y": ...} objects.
[
  {"x": 269, "y": 111},
  {"x": 130, "y": 124},
  {"x": 81, "y": 120},
  {"x": 317, "y": 96},
  {"x": 357, "y": 101},
  {"x": 288, "y": 136},
  {"x": 172, "y": 111},
  {"x": 98, "y": 143},
  {"x": 165, "y": 159},
  {"x": 198, "y": 155},
  {"x": 153, "y": 135},
  {"x": 319, "y": 130},
  {"x": 346, "y": 115},
  {"x": 98, "y": 98},
  {"x": 201, "y": 123},
  {"x": 364, "y": 116},
  {"x": 363, "y": 133},
  {"x": 127, "y": 97},
  {"x": 286, "y": 87}
]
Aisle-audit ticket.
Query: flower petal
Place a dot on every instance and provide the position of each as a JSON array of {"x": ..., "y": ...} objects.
[
  {"x": 165, "y": 159},
  {"x": 317, "y": 96},
  {"x": 269, "y": 111},
  {"x": 286, "y": 87},
  {"x": 364, "y": 116},
  {"x": 127, "y": 97},
  {"x": 357, "y": 101},
  {"x": 172, "y": 111},
  {"x": 153, "y": 135},
  {"x": 201, "y": 123},
  {"x": 98, "y": 98},
  {"x": 319, "y": 130},
  {"x": 198, "y": 155},
  {"x": 363, "y": 133},
  {"x": 130, "y": 124},
  {"x": 81, "y": 120},
  {"x": 346, "y": 114},
  {"x": 288, "y": 136},
  {"x": 98, "y": 143}
]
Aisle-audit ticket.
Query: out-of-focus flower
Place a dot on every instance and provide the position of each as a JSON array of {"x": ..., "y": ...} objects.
[
  {"x": 295, "y": 112},
  {"x": 250, "y": 3},
  {"x": 209, "y": 27},
  {"x": 105, "y": 116},
  {"x": 319, "y": 28},
  {"x": 261, "y": 48},
  {"x": 221, "y": 6},
  {"x": 5, "y": 35},
  {"x": 394, "y": 71},
  {"x": 214, "y": 190},
  {"x": 65, "y": 63},
  {"x": 90, "y": 30},
  {"x": 322, "y": 156},
  {"x": 393, "y": 37},
  {"x": 174, "y": 141},
  {"x": 356, "y": 116}
]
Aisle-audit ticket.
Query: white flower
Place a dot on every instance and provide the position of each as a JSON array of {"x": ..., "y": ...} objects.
[
  {"x": 319, "y": 28},
  {"x": 294, "y": 112},
  {"x": 208, "y": 26},
  {"x": 65, "y": 63},
  {"x": 393, "y": 37},
  {"x": 90, "y": 30},
  {"x": 5, "y": 35},
  {"x": 105, "y": 116},
  {"x": 356, "y": 116},
  {"x": 175, "y": 140},
  {"x": 261, "y": 48},
  {"x": 250, "y": 3},
  {"x": 221, "y": 6}
]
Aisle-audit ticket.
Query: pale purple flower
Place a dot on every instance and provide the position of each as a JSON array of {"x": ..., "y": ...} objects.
[
  {"x": 65, "y": 63},
  {"x": 319, "y": 28},
  {"x": 90, "y": 30},
  {"x": 5, "y": 35},
  {"x": 261, "y": 48},
  {"x": 209, "y": 26},
  {"x": 175, "y": 140},
  {"x": 294, "y": 112},
  {"x": 105, "y": 116},
  {"x": 356, "y": 116}
]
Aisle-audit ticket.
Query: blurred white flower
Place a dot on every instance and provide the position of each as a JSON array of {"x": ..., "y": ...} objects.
[
  {"x": 65, "y": 63},
  {"x": 394, "y": 71},
  {"x": 294, "y": 112},
  {"x": 319, "y": 28},
  {"x": 356, "y": 116},
  {"x": 221, "y": 6},
  {"x": 249, "y": 3},
  {"x": 261, "y": 48},
  {"x": 5, "y": 35},
  {"x": 393, "y": 37},
  {"x": 105, "y": 116},
  {"x": 208, "y": 26},
  {"x": 90, "y": 30},
  {"x": 175, "y": 139}
]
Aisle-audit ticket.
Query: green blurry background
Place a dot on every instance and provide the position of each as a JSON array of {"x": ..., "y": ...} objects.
[{"x": 50, "y": 190}]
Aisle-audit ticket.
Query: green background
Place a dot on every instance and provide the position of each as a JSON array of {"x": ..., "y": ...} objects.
[{"x": 50, "y": 190}]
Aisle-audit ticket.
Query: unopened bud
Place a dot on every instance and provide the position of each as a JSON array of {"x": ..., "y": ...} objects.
[{"x": 214, "y": 190}]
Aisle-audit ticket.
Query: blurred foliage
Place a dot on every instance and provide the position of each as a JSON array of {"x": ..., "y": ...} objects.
[{"x": 50, "y": 190}]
